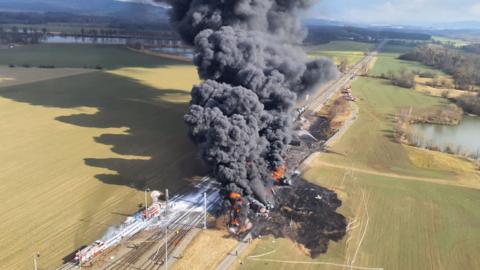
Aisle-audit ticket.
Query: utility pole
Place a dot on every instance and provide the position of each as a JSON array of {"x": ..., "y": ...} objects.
[
  {"x": 204, "y": 210},
  {"x": 146, "y": 202},
  {"x": 166, "y": 201},
  {"x": 35, "y": 264},
  {"x": 166, "y": 246}
]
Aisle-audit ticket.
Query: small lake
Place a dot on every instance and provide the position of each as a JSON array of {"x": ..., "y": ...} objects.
[{"x": 466, "y": 135}]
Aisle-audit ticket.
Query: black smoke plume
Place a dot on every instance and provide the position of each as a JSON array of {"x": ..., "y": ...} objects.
[{"x": 240, "y": 116}]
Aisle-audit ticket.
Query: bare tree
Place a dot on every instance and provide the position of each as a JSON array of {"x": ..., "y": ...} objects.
[{"x": 343, "y": 66}]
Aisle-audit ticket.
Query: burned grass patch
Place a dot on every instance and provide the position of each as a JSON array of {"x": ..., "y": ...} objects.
[{"x": 306, "y": 214}]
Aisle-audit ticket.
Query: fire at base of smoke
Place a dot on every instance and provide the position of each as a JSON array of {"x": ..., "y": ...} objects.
[{"x": 306, "y": 214}]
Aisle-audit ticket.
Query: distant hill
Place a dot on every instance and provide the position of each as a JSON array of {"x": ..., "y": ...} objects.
[
  {"x": 460, "y": 25},
  {"x": 322, "y": 22},
  {"x": 128, "y": 10}
]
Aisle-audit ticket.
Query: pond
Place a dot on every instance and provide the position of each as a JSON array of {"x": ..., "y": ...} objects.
[{"x": 464, "y": 137}]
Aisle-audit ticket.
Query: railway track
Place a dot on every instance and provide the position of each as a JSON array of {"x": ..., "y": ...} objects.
[
  {"x": 324, "y": 94},
  {"x": 144, "y": 256},
  {"x": 156, "y": 260},
  {"x": 68, "y": 266}
]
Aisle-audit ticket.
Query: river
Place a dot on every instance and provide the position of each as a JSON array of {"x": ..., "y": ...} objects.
[{"x": 465, "y": 136}]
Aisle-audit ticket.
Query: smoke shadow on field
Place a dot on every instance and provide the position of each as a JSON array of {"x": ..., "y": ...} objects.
[{"x": 153, "y": 150}]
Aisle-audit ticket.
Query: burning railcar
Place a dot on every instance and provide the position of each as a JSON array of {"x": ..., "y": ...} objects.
[
  {"x": 238, "y": 221},
  {"x": 281, "y": 177}
]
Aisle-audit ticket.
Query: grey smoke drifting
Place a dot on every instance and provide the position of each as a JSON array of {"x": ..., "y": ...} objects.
[{"x": 240, "y": 116}]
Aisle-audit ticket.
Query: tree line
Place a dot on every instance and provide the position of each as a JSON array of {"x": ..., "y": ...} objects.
[
  {"x": 403, "y": 78},
  {"x": 318, "y": 34},
  {"x": 470, "y": 104},
  {"x": 472, "y": 48},
  {"x": 21, "y": 36},
  {"x": 462, "y": 67}
]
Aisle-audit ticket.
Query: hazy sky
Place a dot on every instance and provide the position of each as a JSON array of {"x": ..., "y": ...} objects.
[
  {"x": 397, "y": 11},
  {"x": 393, "y": 11}
]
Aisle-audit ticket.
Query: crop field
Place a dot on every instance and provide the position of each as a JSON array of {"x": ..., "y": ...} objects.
[
  {"x": 388, "y": 61},
  {"x": 194, "y": 256},
  {"x": 79, "y": 56},
  {"x": 336, "y": 50},
  {"x": 424, "y": 85},
  {"x": 394, "y": 224},
  {"x": 20, "y": 75},
  {"x": 345, "y": 46},
  {"x": 407, "y": 208},
  {"x": 450, "y": 41},
  {"x": 77, "y": 152},
  {"x": 398, "y": 48}
]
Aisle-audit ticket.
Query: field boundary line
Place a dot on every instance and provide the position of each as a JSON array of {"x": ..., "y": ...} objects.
[
  {"x": 318, "y": 263},
  {"x": 264, "y": 254},
  {"x": 364, "y": 230},
  {"x": 438, "y": 181}
]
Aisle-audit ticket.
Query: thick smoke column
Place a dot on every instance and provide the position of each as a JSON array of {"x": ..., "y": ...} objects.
[{"x": 240, "y": 116}]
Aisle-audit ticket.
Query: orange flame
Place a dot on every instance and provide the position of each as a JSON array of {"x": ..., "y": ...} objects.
[
  {"x": 234, "y": 195},
  {"x": 279, "y": 173}
]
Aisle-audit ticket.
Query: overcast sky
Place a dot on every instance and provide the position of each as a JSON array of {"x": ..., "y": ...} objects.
[
  {"x": 393, "y": 11},
  {"x": 397, "y": 11}
]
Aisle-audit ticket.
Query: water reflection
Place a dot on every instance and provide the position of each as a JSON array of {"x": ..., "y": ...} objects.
[
  {"x": 464, "y": 137},
  {"x": 168, "y": 46}
]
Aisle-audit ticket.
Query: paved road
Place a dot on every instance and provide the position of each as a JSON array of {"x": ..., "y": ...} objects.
[
  {"x": 314, "y": 103},
  {"x": 232, "y": 255}
]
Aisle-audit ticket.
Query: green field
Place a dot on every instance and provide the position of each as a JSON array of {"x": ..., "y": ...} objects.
[
  {"x": 398, "y": 47},
  {"x": 336, "y": 50},
  {"x": 79, "y": 56},
  {"x": 78, "y": 150},
  {"x": 410, "y": 225},
  {"x": 345, "y": 46},
  {"x": 403, "y": 213},
  {"x": 388, "y": 61},
  {"x": 450, "y": 41}
]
